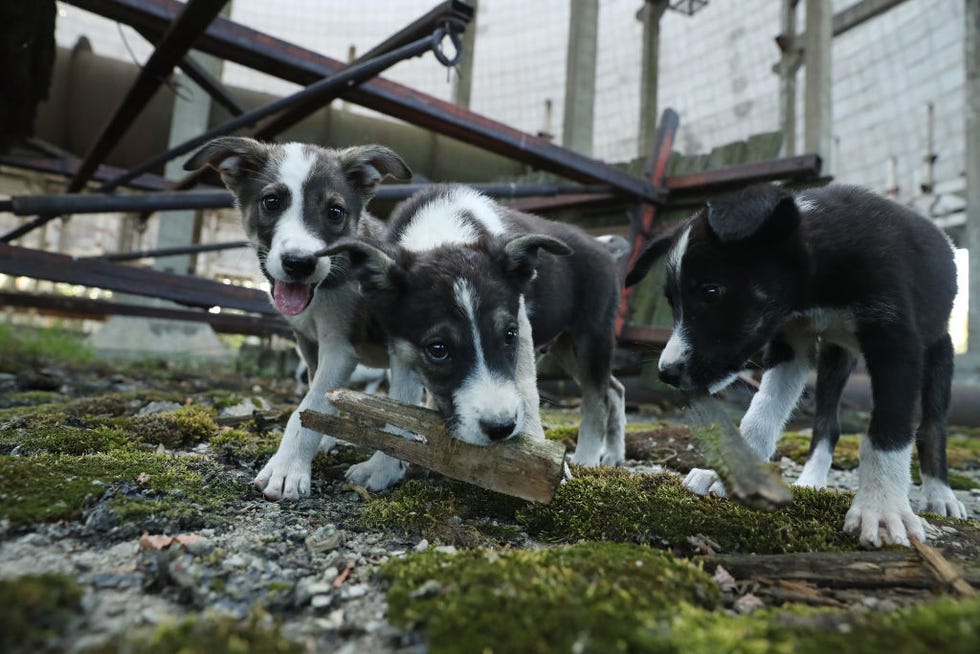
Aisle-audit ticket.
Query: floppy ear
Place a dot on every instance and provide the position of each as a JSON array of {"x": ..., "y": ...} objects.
[
  {"x": 521, "y": 256},
  {"x": 232, "y": 156},
  {"x": 377, "y": 270},
  {"x": 764, "y": 213},
  {"x": 655, "y": 249},
  {"x": 366, "y": 165}
]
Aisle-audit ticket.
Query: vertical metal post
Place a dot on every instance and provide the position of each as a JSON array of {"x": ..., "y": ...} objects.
[
  {"x": 463, "y": 77},
  {"x": 649, "y": 15},
  {"x": 971, "y": 94},
  {"x": 818, "y": 119},
  {"x": 583, "y": 36}
]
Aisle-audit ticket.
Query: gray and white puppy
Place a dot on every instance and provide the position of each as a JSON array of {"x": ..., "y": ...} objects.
[
  {"x": 466, "y": 289},
  {"x": 296, "y": 199}
]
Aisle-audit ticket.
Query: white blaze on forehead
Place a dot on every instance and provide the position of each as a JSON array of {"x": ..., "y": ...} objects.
[
  {"x": 291, "y": 235},
  {"x": 449, "y": 220},
  {"x": 676, "y": 254},
  {"x": 483, "y": 395}
]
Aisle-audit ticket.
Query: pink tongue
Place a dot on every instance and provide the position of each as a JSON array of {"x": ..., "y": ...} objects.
[{"x": 291, "y": 299}]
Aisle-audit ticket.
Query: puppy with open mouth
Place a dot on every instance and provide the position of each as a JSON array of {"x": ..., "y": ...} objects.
[
  {"x": 819, "y": 278},
  {"x": 295, "y": 200}
]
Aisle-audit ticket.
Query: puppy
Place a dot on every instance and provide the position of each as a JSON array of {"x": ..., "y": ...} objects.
[
  {"x": 296, "y": 199},
  {"x": 467, "y": 288},
  {"x": 828, "y": 274}
]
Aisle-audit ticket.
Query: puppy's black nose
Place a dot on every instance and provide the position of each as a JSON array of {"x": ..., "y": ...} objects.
[
  {"x": 298, "y": 266},
  {"x": 671, "y": 374},
  {"x": 497, "y": 431}
]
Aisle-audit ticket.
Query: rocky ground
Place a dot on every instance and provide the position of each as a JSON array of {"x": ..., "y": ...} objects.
[{"x": 128, "y": 524}]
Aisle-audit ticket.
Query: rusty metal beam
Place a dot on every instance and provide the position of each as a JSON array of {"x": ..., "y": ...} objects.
[
  {"x": 182, "y": 289},
  {"x": 253, "y": 49},
  {"x": 77, "y": 307},
  {"x": 804, "y": 166},
  {"x": 188, "y": 23}
]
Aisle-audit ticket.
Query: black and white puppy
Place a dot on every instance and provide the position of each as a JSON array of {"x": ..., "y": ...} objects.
[
  {"x": 467, "y": 289},
  {"x": 296, "y": 199},
  {"x": 821, "y": 276}
]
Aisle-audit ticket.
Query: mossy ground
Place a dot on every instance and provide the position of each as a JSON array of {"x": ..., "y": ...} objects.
[
  {"x": 603, "y": 597},
  {"x": 35, "y": 610}
]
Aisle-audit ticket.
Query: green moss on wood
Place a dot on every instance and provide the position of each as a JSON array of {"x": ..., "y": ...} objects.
[
  {"x": 586, "y": 597},
  {"x": 36, "y": 610},
  {"x": 612, "y": 504}
]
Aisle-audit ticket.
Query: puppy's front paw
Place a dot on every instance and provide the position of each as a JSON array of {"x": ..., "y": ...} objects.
[
  {"x": 377, "y": 473},
  {"x": 702, "y": 481},
  {"x": 878, "y": 520},
  {"x": 589, "y": 459},
  {"x": 284, "y": 478},
  {"x": 939, "y": 498}
]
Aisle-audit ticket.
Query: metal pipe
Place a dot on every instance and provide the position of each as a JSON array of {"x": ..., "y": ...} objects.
[
  {"x": 172, "y": 252},
  {"x": 86, "y": 203},
  {"x": 324, "y": 90}
]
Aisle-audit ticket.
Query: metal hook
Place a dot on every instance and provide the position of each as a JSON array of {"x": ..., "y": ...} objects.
[{"x": 454, "y": 38}]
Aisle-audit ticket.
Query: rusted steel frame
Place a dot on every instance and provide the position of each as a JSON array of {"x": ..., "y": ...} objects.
[
  {"x": 640, "y": 227},
  {"x": 183, "y": 289},
  {"x": 452, "y": 15},
  {"x": 642, "y": 335},
  {"x": 192, "y": 19},
  {"x": 82, "y": 203},
  {"x": 172, "y": 252},
  {"x": 804, "y": 166},
  {"x": 261, "y": 52},
  {"x": 321, "y": 91},
  {"x": 228, "y": 323},
  {"x": 211, "y": 85},
  {"x": 68, "y": 166}
]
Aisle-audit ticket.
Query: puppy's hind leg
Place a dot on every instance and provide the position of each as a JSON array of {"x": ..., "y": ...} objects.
[
  {"x": 930, "y": 438},
  {"x": 615, "y": 445},
  {"x": 834, "y": 366}
]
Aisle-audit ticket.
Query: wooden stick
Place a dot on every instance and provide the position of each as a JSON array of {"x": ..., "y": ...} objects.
[
  {"x": 948, "y": 575},
  {"x": 872, "y": 569},
  {"x": 521, "y": 467},
  {"x": 747, "y": 480}
]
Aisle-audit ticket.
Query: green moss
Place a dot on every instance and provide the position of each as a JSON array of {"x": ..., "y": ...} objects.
[
  {"x": 138, "y": 487},
  {"x": 956, "y": 480},
  {"x": 99, "y": 406},
  {"x": 207, "y": 635},
  {"x": 57, "y": 434},
  {"x": 33, "y": 398},
  {"x": 184, "y": 427},
  {"x": 412, "y": 508},
  {"x": 963, "y": 450},
  {"x": 586, "y": 597},
  {"x": 239, "y": 445},
  {"x": 35, "y": 610},
  {"x": 565, "y": 434},
  {"x": 23, "y": 346},
  {"x": 612, "y": 504},
  {"x": 796, "y": 446}
]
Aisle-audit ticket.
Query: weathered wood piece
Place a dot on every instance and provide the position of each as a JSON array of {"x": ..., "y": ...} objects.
[
  {"x": 520, "y": 466},
  {"x": 747, "y": 480},
  {"x": 871, "y": 569},
  {"x": 944, "y": 571}
]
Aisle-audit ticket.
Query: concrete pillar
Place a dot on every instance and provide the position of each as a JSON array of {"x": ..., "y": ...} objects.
[
  {"x": 649, "y": 15},
  {"x": 790, "y": 60},
  {"x": 971, "y": 94},
  {"x": 818, "y": 117},
  {"x": 463, "y": 79},
  {"x": 583, "y": 33}
]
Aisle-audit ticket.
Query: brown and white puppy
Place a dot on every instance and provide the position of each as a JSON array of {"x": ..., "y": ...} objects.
[{"x": 296, "y": 199}]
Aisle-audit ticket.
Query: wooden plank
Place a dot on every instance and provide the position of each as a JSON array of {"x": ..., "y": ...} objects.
[{"x": 520, "y": 466}]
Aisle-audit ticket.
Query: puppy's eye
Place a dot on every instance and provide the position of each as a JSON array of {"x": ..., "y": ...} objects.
[
  {"x": 510, "y": 336},
  {"x": 711, "y": 292},
  {"x": 336, "y": 213},
  {"x": 437, "y": 351},
  {"x": 271, "y": 202}
]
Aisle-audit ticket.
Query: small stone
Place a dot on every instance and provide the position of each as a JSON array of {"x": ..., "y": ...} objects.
[
  {"x": 321, "y": 602},
  {"x": 324, "y": 539},
  {"x": 353, "y": 591},
  {"x": 747, "y": 604},
  {"x": 244, "y": 408},
  {"x": 446, "y": 549},
  {"x": 975, "y": 492},
  {"x": 158, "y": 407}
]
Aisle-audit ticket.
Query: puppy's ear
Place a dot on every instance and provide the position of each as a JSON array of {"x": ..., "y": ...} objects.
[
  {"x": 762, "y": 214},
  {"x": 377, "y": 270},
  {"x": 365, "y": 166},
  {"x": 521, "y": 256},
  {"x": 232, "y": 156},
  {"x": 655, "y": 249}
]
